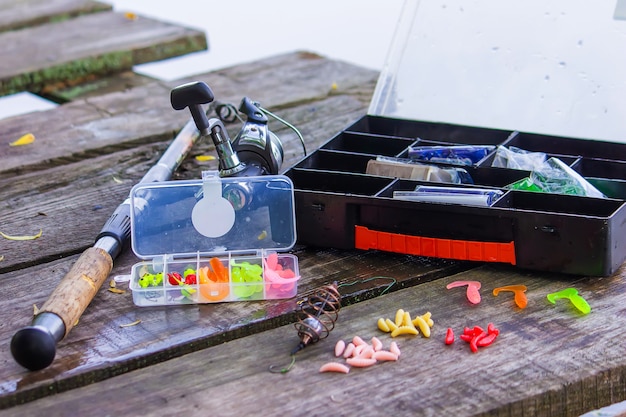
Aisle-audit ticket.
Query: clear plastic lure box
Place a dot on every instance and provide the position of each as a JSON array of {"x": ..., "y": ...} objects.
[{"x": 213, "y": 240}]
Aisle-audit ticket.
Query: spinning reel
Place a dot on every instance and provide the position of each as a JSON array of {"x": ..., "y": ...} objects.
[{"x": 254, "y": 151}]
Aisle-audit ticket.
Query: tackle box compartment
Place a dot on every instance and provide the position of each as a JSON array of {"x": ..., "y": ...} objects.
[{"x": 339, "y": 205}]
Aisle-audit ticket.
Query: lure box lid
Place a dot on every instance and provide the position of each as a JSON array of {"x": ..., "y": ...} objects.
[
  {"x": 540, "y": 76},
  {"x": 553, "y": 68},
  {"x": 243, "y": 224},
  {"x": 243, "y": 215}
]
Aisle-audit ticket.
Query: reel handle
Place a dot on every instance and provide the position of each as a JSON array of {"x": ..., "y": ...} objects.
[
  {"x": 252, "y": 111},
  {"x": 193, "y": 95}
]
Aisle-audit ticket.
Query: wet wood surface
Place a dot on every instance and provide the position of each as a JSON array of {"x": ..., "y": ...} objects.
[
  {"x": 548, "y": 360},
  {"x": 97, "y": 149},
  {"x": 94, "y": 172}
]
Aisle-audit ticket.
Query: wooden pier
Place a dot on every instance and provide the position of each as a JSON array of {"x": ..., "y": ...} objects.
[{"x": 112, "y": 126}]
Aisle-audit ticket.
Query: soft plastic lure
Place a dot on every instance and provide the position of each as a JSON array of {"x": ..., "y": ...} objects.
[
  {"x": 572, "y": 294},
  {"x": 478, "y": 337},
  {"x": 473, "y": 296},
  {"x": 26, "y": 139},
  {"x": 518, "y": 291},
  {"x": 449, "y": 336},
  {"x": 151, "y": 280},
  {"x": 403, "y": 324}
]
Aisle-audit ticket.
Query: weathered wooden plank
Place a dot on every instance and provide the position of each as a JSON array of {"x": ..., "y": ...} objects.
[
  {"x": 99, "y": 348},
  {"x": 93, "y": 126},
  {"x": 90, "y": 189},
  {"x": 18, "y": 14},
  {"x": 31, "y": 201},
  {"x": 69, "y": 51},
  {"x": 96, "y": 86},
  {"x": 543, "y": 362}
]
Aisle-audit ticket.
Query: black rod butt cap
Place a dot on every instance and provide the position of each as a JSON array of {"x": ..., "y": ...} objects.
[{"x": 33, "y": 347}]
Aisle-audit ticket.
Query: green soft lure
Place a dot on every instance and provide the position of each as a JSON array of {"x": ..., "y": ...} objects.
[{"x": 572, "y": 294}]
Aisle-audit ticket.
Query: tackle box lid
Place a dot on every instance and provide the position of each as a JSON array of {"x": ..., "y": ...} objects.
[
  {"x": 554, "y": 68},
  {"x": 212, "y": 216}
]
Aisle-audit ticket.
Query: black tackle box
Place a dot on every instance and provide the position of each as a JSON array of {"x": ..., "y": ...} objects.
[{"x": 339, "y": 204}]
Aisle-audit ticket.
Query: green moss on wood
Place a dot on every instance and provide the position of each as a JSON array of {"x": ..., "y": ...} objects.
[
  {"x": 80, "y": 90},
  {"x": 109, "y": 63},
  {"x": 71, "y": 71},
  {"x": 176, "y": 48}
]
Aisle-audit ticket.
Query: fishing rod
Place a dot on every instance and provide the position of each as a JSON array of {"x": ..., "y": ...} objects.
[
  {"x": 34, "y": 346},
  {"x": 254, "y": 151}
]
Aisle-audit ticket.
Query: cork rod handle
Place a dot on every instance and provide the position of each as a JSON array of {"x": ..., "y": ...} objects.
[{"x": 79, "y": 286}]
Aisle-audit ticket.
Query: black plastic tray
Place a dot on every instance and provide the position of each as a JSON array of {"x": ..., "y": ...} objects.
[{"x": 339, "y": 205}]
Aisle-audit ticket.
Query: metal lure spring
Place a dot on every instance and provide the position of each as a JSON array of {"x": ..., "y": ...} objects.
[
  {"x": 316, "y": 318},
  {"x": 317, "y": 315}
]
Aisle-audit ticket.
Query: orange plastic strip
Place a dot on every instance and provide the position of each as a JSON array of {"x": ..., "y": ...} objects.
[{"x": 365, "y": 238}]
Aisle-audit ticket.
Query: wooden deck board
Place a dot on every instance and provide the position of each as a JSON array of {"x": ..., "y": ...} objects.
[
  {"x": 93, "y": 149},
  {"x": 18, "y": 14},
  {"x": 548, "y": 360},
  {"x": 40, "y": 57},
  {"x": 199, "y": 359},
  {"x": 98, "y": 348},
  {"x": 92, "y": 126},
  {"x": 95, "y": 87},
  {"x": 90, "y": 189},
  {"x": 89, "y": 183}
]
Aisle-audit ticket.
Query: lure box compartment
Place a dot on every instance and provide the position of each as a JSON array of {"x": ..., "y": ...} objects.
[
  {"x": 483, "y": 84},
  {"x": 213, "y": 240}
]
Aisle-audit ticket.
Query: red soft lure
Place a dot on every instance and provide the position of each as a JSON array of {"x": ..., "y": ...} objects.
[
  {"x": 449, "y": 336},
  {"x": 477, "y": 336}
]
